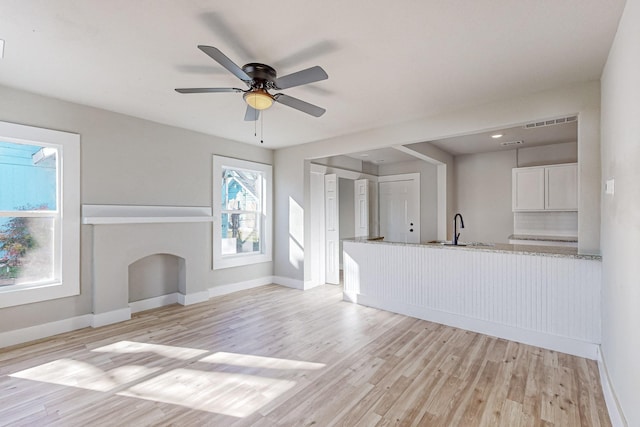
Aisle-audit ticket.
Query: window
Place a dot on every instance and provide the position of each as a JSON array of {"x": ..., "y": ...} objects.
[
  {"x": 242, "y": 212},
  {"x": 39, "y": 214}
]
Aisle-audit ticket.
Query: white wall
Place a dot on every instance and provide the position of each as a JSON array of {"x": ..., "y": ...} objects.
[
  {"x": 125, "y": 160},
  {"x": 428, "y": 193},
  {"x": 621, "y": 213}
]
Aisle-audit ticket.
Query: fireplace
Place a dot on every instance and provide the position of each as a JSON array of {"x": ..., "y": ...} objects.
[{"x": 123, "y": 235}]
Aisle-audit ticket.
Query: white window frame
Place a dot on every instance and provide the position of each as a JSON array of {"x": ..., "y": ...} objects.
[
  {"x": 225, "y": 261},
  {"x": 67, "y": 282}
]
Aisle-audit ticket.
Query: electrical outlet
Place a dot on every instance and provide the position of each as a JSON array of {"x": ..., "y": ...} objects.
[{"x": 609, "y": 187}]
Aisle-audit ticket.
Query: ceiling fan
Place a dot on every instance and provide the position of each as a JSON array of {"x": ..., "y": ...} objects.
[{"x": 260, "y": 79}]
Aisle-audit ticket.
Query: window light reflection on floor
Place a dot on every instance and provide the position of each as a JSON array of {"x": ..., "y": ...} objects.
[{"x": 157, "y": 373}]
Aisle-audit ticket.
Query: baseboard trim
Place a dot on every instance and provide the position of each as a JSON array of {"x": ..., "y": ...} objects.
[
  {"x": 194, "y": 298},
  {"x": 289, "y": 282},
  {"x": 310, "y": 284},
  {"x": 155, "y": 302},
  {"x": 110, "y": 317},
  {"x": 539, "y": 339},
  {"x": 32, "y": 333},
  {"x": 615, "y": 413},
  {"x": 230, "y": 288}
]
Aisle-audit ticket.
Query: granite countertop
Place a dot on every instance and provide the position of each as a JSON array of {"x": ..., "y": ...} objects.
[
  {"x": 554, "y": 251},
  {"x": 544, "y": 238}
]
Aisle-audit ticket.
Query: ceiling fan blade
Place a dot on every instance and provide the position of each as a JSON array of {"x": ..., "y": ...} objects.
[
  {"x": 251, "y": 115},
  {"x": 298, "y": 104},
  {"x": 222, "y": 59},
  {"x": 209, "y": 90},
  {"x": 310, "y": 75}
]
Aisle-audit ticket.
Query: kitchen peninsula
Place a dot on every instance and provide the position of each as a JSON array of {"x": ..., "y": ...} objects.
[{"x": 538, "y": 295}]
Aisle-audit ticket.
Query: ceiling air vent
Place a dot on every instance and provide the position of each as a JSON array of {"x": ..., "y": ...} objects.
[
  {"x": 510, "y": 143},
  {"x": 551, "y": 122}
]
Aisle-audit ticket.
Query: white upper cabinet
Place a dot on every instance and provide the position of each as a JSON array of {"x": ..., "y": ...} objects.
[
  {"x": 528, "y": 189},
  {"x": 561, "y": 187},
  {"x": 545, "y": 188}
]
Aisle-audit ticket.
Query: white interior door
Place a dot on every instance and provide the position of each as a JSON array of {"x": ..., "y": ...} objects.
[
  {"x": 399, "y": 206},
  {"x": 361, "y": 207},
  {"x": 332, "y": 229}
]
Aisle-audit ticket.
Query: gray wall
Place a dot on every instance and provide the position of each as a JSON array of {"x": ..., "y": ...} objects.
[
  {"x": 153, "y": 276},
  {"x": 483, "y": 187},
  {"x": 125, "y": 160},
  {"x": 428, "y": 193},
  {"x": 483, "y": 195},
  {"x": 621, "y": 214}
]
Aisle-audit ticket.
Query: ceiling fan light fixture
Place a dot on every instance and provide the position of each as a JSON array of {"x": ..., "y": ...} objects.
[{"x": 258, "y": 99}]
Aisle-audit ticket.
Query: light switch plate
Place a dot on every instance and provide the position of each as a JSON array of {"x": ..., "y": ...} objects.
[
  {"x": 609, "y": 186},
  {"x": 1, "y": 48}
]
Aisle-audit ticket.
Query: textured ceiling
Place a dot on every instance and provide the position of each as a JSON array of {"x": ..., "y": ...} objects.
[{"x": 388, "y": 62}]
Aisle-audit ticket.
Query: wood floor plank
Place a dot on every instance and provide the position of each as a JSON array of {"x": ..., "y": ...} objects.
[{"x": 276, "y": 356}]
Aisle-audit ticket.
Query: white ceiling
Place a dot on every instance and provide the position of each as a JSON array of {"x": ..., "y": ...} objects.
[{"x": 388, "y": 62}]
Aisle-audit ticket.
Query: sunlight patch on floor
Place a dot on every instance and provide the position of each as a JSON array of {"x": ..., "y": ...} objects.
[
  {"x": 73, "y": 373},
  {"x": 233, "y": 394},
  {"x": 128, "y": 347},
  {"x": 218, "y": 391},
  {"x": 252, "y": 361}
]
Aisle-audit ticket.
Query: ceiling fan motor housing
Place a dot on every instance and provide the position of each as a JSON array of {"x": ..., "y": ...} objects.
[{"x": 262, "y": 74}]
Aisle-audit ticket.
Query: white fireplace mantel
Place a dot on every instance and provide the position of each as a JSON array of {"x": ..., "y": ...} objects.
[{"x": 129, "y": 214}]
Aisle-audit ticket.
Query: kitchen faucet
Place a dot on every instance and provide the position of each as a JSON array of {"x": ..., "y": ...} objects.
[{"x": 456, "y": 235}]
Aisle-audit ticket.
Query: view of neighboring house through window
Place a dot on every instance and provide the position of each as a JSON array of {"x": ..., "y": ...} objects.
[
  {"x": 242, "y": 211},
  {"x": 29, "y": 214}
]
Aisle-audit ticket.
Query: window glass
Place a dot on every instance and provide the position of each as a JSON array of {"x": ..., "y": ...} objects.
[
  {"x": 26, "y": 250},
  {"x": 240, "y": 233},
  {"x": 28, "y": 174},
  {"x": 28, "y": 217}
]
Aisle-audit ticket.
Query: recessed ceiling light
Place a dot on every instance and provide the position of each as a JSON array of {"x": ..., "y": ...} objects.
[{"x": 496, "y": 136}]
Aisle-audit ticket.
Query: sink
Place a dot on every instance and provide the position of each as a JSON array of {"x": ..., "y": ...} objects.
[
  {"x": 445, "y": 243},
  {"x": 478, "y": 244}
]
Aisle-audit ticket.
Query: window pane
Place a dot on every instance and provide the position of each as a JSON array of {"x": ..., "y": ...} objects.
[
  {"x": 240, "y": 233},
  {"x": 241, "y": 189},
  {"x": 28, "y": 177},
  {"x": 26, "y": 250}
]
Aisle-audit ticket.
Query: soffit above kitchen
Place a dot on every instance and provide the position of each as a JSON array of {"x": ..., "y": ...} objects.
[{"x": 387, "y": 62}]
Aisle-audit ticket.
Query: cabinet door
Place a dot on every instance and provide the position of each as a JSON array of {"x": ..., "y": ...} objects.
[
  {"x": 528, "y": 189},
  {"x": 561, "y": 187}
]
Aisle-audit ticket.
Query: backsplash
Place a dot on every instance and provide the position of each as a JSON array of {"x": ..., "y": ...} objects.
[{"x": 546, "y": 223}]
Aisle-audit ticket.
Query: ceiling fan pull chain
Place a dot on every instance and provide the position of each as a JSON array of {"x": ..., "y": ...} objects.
[{"x": 262, "y": 128}]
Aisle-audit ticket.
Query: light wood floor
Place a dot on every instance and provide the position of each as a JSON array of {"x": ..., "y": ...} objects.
[{"x": 277, "y": 356}]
